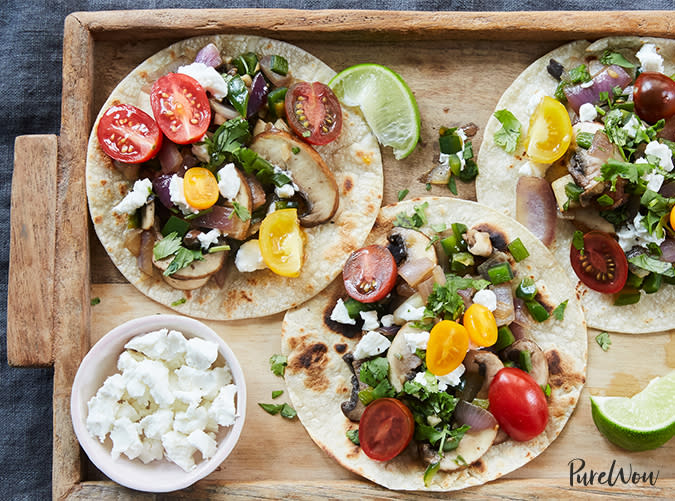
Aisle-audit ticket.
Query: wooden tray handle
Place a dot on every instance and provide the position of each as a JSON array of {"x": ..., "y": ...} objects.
[{"x": 31, "y": 252}]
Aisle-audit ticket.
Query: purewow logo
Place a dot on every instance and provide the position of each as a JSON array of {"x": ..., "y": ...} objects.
[{"x": 580, "y": 476}]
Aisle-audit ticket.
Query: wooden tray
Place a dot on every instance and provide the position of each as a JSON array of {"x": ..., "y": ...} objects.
[{"x": 458, "y": 64}]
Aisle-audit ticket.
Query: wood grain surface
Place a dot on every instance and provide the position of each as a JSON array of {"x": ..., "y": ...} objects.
[{"x": 457, "y": 64}]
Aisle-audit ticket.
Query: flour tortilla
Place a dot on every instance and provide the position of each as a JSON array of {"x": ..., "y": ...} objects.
[
  {"x": 318, "y": 380},
  {"x": 499, "y": 173},
  {"x": 354, "y": 159}
]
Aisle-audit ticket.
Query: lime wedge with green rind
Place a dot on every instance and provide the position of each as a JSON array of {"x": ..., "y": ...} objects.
[
  {"x": 642, "y": 422},
  {"x": 386, "y": 101}
]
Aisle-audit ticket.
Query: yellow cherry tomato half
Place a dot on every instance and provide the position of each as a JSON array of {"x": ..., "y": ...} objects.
[
  {"x": 200, "y": 188},
  {"x": 281, "y": 242},
  {"x": 481, "y": 325},
  {"x": 672, "y": 218},
  {"x": 550, "y": 131},
  {"x": 447, "y": 347}
]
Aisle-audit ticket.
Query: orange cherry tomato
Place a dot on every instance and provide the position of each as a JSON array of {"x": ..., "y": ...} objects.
[
  {"x": 672, "y": 218},
  {"x": 385, "y": 429},
  {"x": 481, "y": 325},
  {"x": 550, "y": 131},
  {"x": 200, "y": 188},
  {"x": 447, "y": 347},
  {"x": 281, "y": 242}
]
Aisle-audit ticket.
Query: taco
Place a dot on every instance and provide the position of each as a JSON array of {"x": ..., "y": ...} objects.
[
  {"x": 402, "y": 372},
  {"x": 180, "y": 211},
  {"x": 580, "y": 150}
]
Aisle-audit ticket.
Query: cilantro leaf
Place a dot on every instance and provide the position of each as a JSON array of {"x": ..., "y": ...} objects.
[
  {"x": 652, "y": 264},
  {"x": 353, "y": 435},
  {"x": 241, "y": 211},
  {"x": 559, "y": 311},
  {"x": 278, "y": 364},
  {"x": 184, "y": 257},
  {"x": 374, "y": 371},
  {"x": 603, "y": 340},
  {"x": 578, "y": 240},
  {"x": 270, "y": 408},
  {"x": 277, "y": 393},
  {"x": 402, "y": 194},
  {"x": 95, "y": 301},
  {"x": 413, "y": 221},
  {"x": 609, "y": 58},
  {"x": 178, "y": 302},
  {"x": 288, "y": 412},
  {"x": 226, "y": 140},
  {"x": 167, "y": 246},
  {"x": 430, "y": 472},
  {"x": 237, "y": 94},
  {"x": 508, "y": 136}
]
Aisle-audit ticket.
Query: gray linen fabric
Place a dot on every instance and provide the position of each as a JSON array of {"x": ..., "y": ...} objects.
[{"x": 30, "y": 89}]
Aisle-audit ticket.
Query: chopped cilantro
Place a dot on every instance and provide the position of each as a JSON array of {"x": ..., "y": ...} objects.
[
  {"x": 295, "y": 150},
  {"x": 95, "y": 301},
  {"x": 374, "y": 371},
  {"x": 241, "y": 211},
  {"x": 286, "y": 410},
  {"x": 414, "y": 221},
  {"x": 578, "y": 240},
  {"x": 402, "y": 194},
  {"x": 428, "y": 187},
  {"x": 184, "y": 257},
  {"x": 605, "y": 200},
  {"x": 277, "y": 393},
  {"x": 460, "y": 460},
  {"x": 178, "y": 302},
  {"x": 603, "y": 340},
  {"x": 547, "y": 390},
  {"x": 430, "y": 472},
  {"x": 609, "y": 58},
  {"x": 353, "y": 435},
  {"x": 278, "y": 364},
  {"x": 508, "y": 136},
  {"x": 167, "y": 246},
  {"x": 226, "y": 140},
  {"x": 559, "y": 311},
  {"x": 652, "y": 264},
  {"x": 452, "y": 185}
]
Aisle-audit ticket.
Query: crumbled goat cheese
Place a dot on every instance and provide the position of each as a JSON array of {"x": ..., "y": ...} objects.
[
  {"x": 587, "y": 112},
  {"x": 654, "y": 180},
  {"x": 416, "y": 340},
  {"x": 370, "y": 321},
  {"x": 650, "y": 60},
  {"x": 229, "y": 181},
  {"x": 451, "y": 379},
  {"x": 165, "y": 400},
  {"x": 487, "y": 298},
  {"x": 635, "y": 234},
  {"x": 207, "y": 77},
  {"x": 136, "y": 198},
  {"x": 412, "y": 314},
  {"x": 662, "y": 152},
  {"x": 249, "y": 258},
  {"x": 373, "y": 343},
  {"x": 178, "y": 195},
  {"x": 387, "y": 320},
  {"x": 285, "y": 191},
  {"x": 632, "y": 126},
  {"x": 208, "y": 239},
  {"x": 340, "y": 314}
]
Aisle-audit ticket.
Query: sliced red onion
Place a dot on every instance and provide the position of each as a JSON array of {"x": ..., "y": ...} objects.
[
  {"x": 210, "y": 56},
  {"x": 519, "y": 331},
  {"x": 668, "y": 250},
  {"x": 170, "y": 158},
  {"x": 589, "y": 92},
  {"x": 476, "y": 417},
  {"x": 257, "y": 94},
  {"x": 521, "y": 314},
  {"x": 132, "y": 241},
  {"x": 275, "y": 78},
  {"x": 227, "y": 112},
  {"x": 160, "y": 185},
  {"x": 416, "y": 270},
  {"x": 223, "y": 219},
  {"x": 504, "y": 313},
  {"x": 536, "y": 207}
]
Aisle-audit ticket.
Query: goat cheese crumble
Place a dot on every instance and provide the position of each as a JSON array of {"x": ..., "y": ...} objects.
[{"x": 136, "y": 198}]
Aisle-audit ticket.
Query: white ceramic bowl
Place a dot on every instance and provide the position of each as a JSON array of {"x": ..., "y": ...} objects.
[{"x": 101, "y": 362}]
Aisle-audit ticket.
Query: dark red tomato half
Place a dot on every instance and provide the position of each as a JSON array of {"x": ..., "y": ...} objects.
[
  {"x": 385, "y": 429},
  {"x": 602, "y": 265},
  {"x": 654, "y": 96},
  {"x": 128, "y": 134},
  {"x": 370, "y": 273},
  {"x": 181, "y": 107},
  {"x": 518, "y": 404},
  {"x": 313, "y": 112}
]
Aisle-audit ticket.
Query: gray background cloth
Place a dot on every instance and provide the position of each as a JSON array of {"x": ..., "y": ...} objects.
[{"x": 31, "y": 35}]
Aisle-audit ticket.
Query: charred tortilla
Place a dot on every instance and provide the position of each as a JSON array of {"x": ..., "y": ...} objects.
[
  {"x": 318, "y": 379},
  {"x": 353, "y": 158}
]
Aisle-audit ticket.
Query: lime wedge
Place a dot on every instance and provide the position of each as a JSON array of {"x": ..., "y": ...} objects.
[
  {"x": 386, "y": 102},
  {"x": 642, "y": 422}
]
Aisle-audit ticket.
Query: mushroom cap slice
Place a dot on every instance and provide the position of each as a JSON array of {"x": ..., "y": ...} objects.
[
  {"x": 308, "y": 170},
  {"x": 186, "y": 285},
  {"x": 487, "y": 364},
  {"x": 539, "y": 370},
  {"x": 416, "y": 244},
  {"x": 472, "y": 446},
  {"x": 196, "y": 270},
  {"x": 401, "y": 359}
]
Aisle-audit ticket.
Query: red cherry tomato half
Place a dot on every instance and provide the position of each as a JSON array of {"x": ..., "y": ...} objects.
[
  {"x": 313, "y": 112},
  {"x": 181, "y": 107},
  {"x": 518, "y": 404},
  {"x": 602, "y": 266},
  {"x": 128, "y": 134},
  {"x": 385, "y": 429},
  {"x": 654, "y": 96},
  {"x": 370, "y": 273}
]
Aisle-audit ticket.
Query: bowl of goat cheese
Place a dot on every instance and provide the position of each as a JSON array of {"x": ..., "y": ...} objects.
[{"x": 159, "y": 403}]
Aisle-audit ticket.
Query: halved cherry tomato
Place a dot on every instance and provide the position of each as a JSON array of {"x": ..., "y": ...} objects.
[
  {"x": 481, "y": 325},
  {"x": 281, "y": 242},
  {"x": 518, "y": 404},
  {"x": 602, "y": 266},
  {"x": 672, "y": 218},
  {"x": 128, "y": 134},
  {"x": 654, "y": 96},
  {"x": 550, "y": 131},
  {"x": 447, "y": 347},
  {"x": 313, "y": 112},
  {"x": 370, "y": 273},
  {"x": 200, "y": 188},
  {"x": 181, "y": 107},
  {"x": 385, "y": 429}
]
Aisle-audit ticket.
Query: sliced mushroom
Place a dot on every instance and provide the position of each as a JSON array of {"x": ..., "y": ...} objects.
[
  {"x": 472, "y": 446},
  {"x": 416, "y": 244},
  {"x": 308, "y": 170},
  {"x": 401, "y": 360},
  {"x": 485, "y": 363},
  {"x": 478, "y": 242},
  {"x": 258, "y": 196},
  {"x": 148, "y": 218},
  {"x": 186, "y": 285},
  {"x": 539, "y": 370},
  {"x": 197, "y": 269},
  {"x": 353, "y": 408},
  {"x": 588, "y": 220}
]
